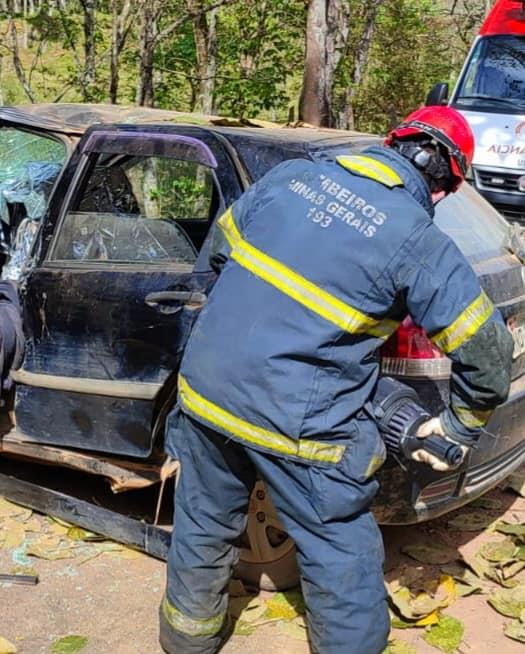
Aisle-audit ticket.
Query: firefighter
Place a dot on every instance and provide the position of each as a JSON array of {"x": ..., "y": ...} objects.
[{"x": 320, "y": 262}]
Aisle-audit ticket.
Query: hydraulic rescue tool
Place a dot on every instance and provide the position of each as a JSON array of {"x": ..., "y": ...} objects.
[{"x": 398, "y": 415}]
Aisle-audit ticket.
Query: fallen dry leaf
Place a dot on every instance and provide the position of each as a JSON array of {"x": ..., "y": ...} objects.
[
  {"x": 498, "y": 552},
  {"x": 509, "y": 601},
  {"x": 471, "y": 521},
  {"x": 516, "y": 630},
  {"x": 50, "y": 548},
  {"x": 434, "y": 554},
  {"x": 398, "y": 622},
  {"x": 14, "y": 534},
  {"x": 467, "y": 582},
  {"x": 413, "y": 607},
  {"x": 7, "y": 647},
  {"x": 437, "y": 595},
  {"x": 10, "y": 510},
  {"x": 511, "y": 528}
]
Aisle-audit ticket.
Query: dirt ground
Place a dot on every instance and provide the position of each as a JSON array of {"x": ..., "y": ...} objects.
[{"x": 109, "y": 596}]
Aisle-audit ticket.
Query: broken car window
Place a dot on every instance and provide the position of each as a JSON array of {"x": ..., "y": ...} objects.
[
  {"x": 138, "y": 208},
  {"x": 29, "y": 167}
]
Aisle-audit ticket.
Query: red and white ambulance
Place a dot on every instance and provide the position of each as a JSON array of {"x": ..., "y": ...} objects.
[{"x": 490, "y": 93}]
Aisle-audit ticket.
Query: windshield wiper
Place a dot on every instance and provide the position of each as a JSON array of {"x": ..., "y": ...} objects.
[{"x": 488, "y": 98}]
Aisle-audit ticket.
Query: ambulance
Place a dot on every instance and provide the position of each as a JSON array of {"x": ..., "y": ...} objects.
[{"x": 490, "y": 93}]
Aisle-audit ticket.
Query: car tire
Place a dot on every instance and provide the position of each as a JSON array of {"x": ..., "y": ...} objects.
[{"x": 267, "y": 557}]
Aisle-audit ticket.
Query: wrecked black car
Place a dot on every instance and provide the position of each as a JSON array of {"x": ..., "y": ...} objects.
[{"x": 106, "y": 217}]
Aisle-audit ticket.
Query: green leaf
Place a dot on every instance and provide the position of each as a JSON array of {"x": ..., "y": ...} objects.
[
  {"x": 515, "y": 630},
  {"x": 285, "y": 606},
  {"x": 512, "y": 529},
  {"x": 509, "y": 602},
  {"x": 399, "y": 647},
  {"x": 447, "y": 635},
  {"x": 69, "y": 645},
  {"x": 432, "y": 554}
]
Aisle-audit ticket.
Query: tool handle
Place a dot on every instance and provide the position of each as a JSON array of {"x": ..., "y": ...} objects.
[
  {"x": 449, "y": 452},
  {"x": 25, "y": 580}
]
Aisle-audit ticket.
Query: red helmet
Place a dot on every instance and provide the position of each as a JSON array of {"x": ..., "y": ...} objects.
[{"x": 446, "y": 126}]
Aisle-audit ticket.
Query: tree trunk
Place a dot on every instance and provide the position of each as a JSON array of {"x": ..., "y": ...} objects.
[
  {"x": 114, "y": 74},
  {"x": 89, "y": 76},
  {"x": 314, "y": 106},
  {"x": 17, "y": 63},
  {"x": 145, "y": 86},
  {"x": 327, "y": 29},
  {"x": 120, "y": 27},
  {"x": 360, "y": 62},
  {"x": 205, "y": 34},
  {"x": 2, "y": 99}
]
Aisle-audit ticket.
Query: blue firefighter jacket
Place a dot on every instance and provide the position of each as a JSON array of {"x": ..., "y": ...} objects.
[{"x": 324, "y": 260}]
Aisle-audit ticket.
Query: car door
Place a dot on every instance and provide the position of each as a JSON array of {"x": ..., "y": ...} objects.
[{"x": 121, "y": 275}]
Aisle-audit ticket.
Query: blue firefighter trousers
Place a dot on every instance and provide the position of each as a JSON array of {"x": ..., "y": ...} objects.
[{"x": 339, "y": 546}]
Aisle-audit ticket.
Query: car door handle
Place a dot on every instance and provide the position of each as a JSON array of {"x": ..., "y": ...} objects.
[{"x": 192, "y": 299}]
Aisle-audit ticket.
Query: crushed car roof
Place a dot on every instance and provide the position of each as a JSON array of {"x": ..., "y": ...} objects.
[{"x": 76, "y": 118}]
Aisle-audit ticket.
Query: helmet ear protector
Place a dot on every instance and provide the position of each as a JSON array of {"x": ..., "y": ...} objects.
[
  {"x": 440, "y": 137},
  {"x": 430, "y": 158}
]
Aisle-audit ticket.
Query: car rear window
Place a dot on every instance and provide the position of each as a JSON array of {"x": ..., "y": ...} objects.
[{"x": 472, "y": 223}]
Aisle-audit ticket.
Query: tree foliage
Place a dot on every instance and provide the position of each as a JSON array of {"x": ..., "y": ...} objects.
[{"x": 237, "y": 57}]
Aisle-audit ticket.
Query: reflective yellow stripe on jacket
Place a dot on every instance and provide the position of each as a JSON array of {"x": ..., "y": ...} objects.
[
  {"x": 369, "y": 167},
  {"x": 200, "y": 407},
  {"x": 466, "y": 324},
  {"x": 299, "y": 288},
  {"x": 472, "y": 418}
]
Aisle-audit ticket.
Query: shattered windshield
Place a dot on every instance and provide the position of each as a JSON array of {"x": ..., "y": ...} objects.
[
  {"x": 495, "y": 77},
  {"x": 29, "y": 167}
]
